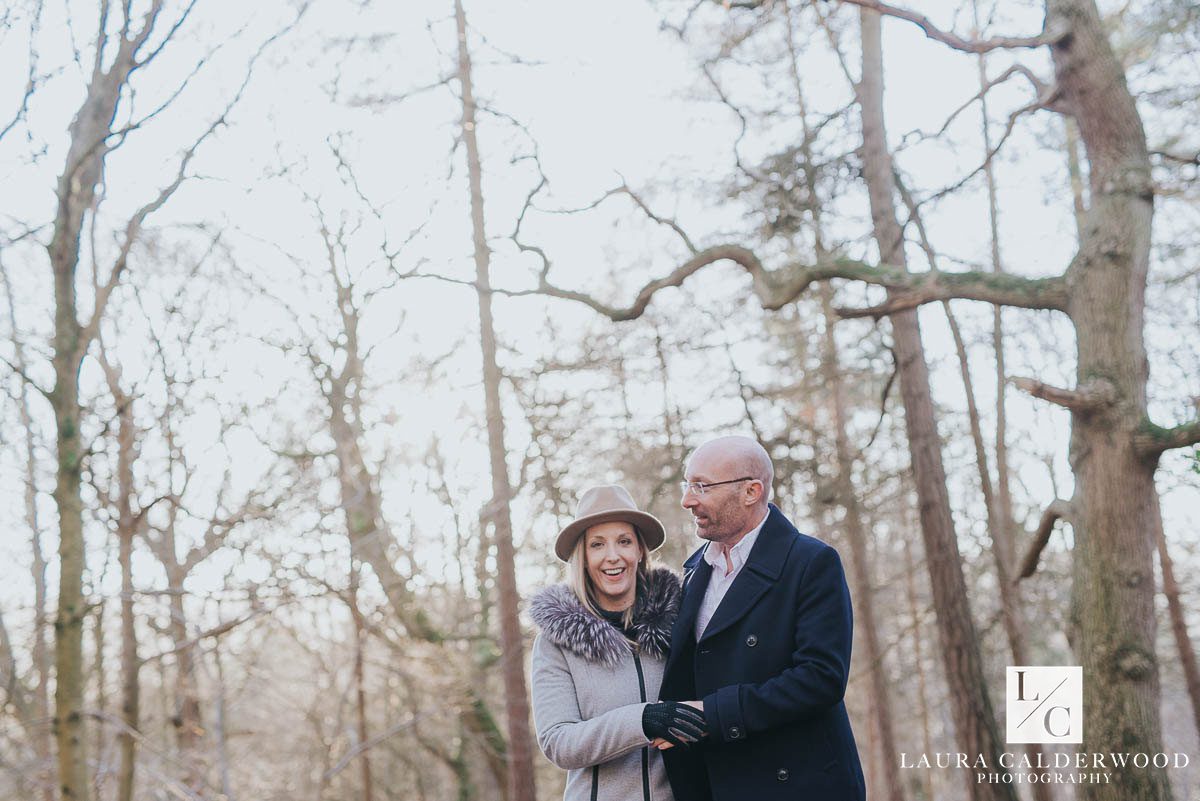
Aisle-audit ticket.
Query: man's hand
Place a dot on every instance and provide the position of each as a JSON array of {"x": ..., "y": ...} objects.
[
  {"x": 696, "y": 704},
  {"x": 676, "y": 723}
]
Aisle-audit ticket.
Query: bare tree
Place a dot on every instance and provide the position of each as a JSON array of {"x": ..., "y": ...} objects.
[
  {"x": 90, "y": 135},
  {"x": 154, "y": 503},
  {"x": 970, "y": 703},
  {"x": 128, "y": 523},
  {"x": 341, "y": 377},
  {"x": 852, "y": 523},
  {"x": 856, "y": 535},
  {"x": 997, "y": 504},
  {"x": 516, "y": 699},
  {"x": 119, "y": 51},
  {"x": 360, "y": 692}
]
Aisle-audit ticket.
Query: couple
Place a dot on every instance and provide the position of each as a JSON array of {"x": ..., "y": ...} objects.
[{"x": 727, "y": 687}]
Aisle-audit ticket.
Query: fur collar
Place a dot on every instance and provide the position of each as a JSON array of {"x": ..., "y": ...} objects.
[{"x": 566, "y": 623}]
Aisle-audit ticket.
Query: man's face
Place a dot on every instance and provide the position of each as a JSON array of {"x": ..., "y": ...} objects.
[{"x": 721, "y": 512}]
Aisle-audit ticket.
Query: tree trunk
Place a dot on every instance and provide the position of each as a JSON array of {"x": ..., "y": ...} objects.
[
  {"x": 914, "y": 611},
  {"x": 76, "y": 193},
  {"x": 520, "y": 740},
  {"x": 971, "y": 705},
  {"x": 220, "y": 726},
  {"x": 1004, "y": 536},
  {"x": 361, "y": 501},
  {"x": 369, "y": 534},
  {"x": 99, "y": 671},
  {"x": 477, "y": 720},
  {"x": 882, "y": 727},
  {"x": 1075, "y": 172},
  {"x": 1116, "y": 503},
  {"x": 1009, "y": 609},
  {"x": 188, "y": 723},
  {"x": 126, "y": 530},
  {"x": 1183, "y": 640},
  {"x": 852, "y": 527},
  {"x": 999, "y": 503},
  {"x": 360, "y": 691},
  {"x": 998, "y": 521},
  {"x": 68, "y": 623}
]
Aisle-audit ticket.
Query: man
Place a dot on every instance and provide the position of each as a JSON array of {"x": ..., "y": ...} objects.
[{"x": 763, "y": 641}]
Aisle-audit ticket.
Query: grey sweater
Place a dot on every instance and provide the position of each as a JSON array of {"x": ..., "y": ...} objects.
[{"x": 590, "y": 686}]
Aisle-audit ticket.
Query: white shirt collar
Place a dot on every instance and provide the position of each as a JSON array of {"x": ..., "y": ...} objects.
[{"x": 738, "y": 553}]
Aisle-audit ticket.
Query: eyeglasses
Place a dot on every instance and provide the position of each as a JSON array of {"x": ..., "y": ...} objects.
[{"x": 699, "y": 488}]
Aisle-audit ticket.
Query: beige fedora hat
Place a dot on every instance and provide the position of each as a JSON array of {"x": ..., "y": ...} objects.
[{"x": 604, "y": 504}]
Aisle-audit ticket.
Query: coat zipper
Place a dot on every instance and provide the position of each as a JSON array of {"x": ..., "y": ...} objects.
[{"x": 637, "y": 663}]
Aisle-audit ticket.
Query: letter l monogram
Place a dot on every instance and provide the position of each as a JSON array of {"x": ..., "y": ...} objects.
[{"x": 1021, "y": 687}]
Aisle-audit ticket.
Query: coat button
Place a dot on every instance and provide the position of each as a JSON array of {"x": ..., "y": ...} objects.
[
  {"x": 782, "y": 774},
  {"x": 752, "y": 641},
  {"x": 734, "y": 732}
]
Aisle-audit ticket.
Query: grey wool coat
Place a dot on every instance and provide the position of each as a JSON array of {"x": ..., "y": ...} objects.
[{"x": 590, "y": 685}]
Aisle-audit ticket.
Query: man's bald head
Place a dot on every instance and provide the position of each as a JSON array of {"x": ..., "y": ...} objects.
[
  {"x": 740, "y": 456},
  {"x": 740, "y": 473}
]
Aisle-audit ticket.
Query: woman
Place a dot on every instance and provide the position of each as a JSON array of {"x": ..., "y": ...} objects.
[{"x": 601, "y": 653}]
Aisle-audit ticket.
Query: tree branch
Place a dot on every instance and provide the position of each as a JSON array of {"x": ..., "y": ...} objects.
[
  {"x": 1056, "y": 510},
  {"x": 1040, "y": 87},
  {"x": 31, "y": 81},
  {"x": 1048, "y": 99},
  {"x": 169, "y": 35},
  {"x": 215, "y": 631},
  {"x": 1000, "y": 290},
  {"x": 954, "y": 40},
  {"x": 47, "y": 394},
  {"x": 1180, "y": 158},
  {"x": 1087, "y": 397},
  {"x": 1152, "y": 440},
  {"x": 667, "y": 221},
  {"x": 366, "y": 745},
  {"x": 778, "y": 287}
]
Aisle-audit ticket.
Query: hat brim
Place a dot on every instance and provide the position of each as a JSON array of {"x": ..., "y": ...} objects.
[{"x": 652, "y": 531}]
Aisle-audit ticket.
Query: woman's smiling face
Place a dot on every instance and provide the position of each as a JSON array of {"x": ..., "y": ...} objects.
[{"x": 613, "y": 554}]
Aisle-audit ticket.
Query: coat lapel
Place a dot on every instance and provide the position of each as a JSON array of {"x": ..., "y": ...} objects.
[
  {"x": 763, "y": 568},
  {"x": 696, "y": 573}
]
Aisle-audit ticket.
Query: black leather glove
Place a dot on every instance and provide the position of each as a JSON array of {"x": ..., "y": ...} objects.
[{"x": 678, "y": 724}]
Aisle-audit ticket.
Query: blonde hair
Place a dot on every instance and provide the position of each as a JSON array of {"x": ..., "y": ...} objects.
[{"x": 581, "y": 583}]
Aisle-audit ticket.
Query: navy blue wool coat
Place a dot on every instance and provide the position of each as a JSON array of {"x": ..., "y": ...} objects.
[{"x": 771, "y": 669}]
